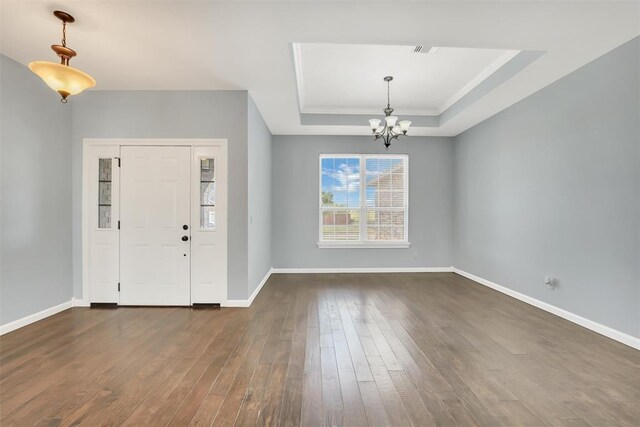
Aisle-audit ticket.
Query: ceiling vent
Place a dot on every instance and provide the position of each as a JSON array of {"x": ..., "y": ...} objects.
[{"x": 425, "y": 49}]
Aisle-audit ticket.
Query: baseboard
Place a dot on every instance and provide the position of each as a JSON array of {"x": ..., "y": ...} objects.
[
  {"x": 248, "y": 302},
  {"x": 27, "y": 320},
  {"x": 262, "y": 283},
  {"x": 78, "y": 302},
  {"x": 363, "y": 270},
  {"x": 608, "y": 332}
]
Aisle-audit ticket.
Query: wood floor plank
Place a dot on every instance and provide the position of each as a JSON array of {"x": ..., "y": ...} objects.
[
  {"x": 312, "y": 382},
  {"x": 331, "y": 394},
  {"x": 207, "y": 411},
  {"x": 272, "y": 402},
  {"x": 388, "y": 393},
  {"x": 237, "y": 392},
  {"x": 291, "y": 412},
  {"x": 420, "y": 349},
  {"x": 373, "y": 406},
  {"x": 411, "y": 400},
  {"x": 253, "y": 397},
  {"x": 354, "y": 414},
  {"x": 358, "y": 356}
]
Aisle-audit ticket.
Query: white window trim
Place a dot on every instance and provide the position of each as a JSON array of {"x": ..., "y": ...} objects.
[{"x": 364, "y": 244}]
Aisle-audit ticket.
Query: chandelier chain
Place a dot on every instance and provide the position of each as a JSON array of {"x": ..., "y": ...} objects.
[{"x": 64, "y": 34}]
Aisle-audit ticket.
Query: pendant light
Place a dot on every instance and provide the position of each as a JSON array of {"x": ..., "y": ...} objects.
[
  {"x": 389, "y": 130},
  {"x": 61, "y": 77}
]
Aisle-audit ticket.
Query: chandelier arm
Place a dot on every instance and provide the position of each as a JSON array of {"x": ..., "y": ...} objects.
[{"x": 384, "y": 128}]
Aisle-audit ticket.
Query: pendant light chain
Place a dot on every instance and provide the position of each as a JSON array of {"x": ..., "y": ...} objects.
[
  {"x": 64, "y": 34},
  {"x": 388, "y": 99}
]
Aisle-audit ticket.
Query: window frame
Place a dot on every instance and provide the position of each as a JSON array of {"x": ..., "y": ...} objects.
[{"x": 364, "y": 243}]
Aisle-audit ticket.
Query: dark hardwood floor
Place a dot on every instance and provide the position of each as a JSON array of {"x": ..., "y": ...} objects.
[{"x": 349, "y": 349}]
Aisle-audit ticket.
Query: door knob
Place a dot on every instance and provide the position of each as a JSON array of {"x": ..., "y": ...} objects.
[
  {"x": 185, "y": 238},
  {"x": 185, "y": 227}
]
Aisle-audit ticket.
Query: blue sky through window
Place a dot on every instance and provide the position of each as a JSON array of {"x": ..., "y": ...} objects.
[{"x": 341, "y": 178}]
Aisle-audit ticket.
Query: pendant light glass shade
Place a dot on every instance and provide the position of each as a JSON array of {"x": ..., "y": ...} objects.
[
  {"x": 404, "y": 125},
  {"x": 374, "y": 123},
  {"x": 63, "y": 79},
  {"x": 391, "y": 121}
]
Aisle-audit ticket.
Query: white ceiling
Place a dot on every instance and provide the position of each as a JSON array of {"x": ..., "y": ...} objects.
[
  {"x": 348, "y": 79},
  {"x": 243, "y": 45}
]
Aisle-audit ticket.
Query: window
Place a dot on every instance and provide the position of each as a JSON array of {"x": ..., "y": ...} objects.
[
  {"x": 207, "y": 194},
  {"x": 104, "y": 193},
  {"x": 363, "y": 201}
]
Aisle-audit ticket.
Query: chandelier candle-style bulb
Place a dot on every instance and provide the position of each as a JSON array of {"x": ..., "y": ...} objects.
[
  {"x": 61, "y": 77},
  {"x": 391, "y": 128}
]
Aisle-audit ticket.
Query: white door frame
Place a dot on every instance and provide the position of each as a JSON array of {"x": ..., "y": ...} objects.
[{"x": 87, "y": 209}]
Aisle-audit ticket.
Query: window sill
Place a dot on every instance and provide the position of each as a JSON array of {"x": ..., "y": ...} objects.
[{"x": 335, "y": 245}]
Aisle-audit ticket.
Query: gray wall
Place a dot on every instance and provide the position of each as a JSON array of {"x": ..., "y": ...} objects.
[
  {"x": 295, "y": 203},
  {"x": 259, "y": 194},
  {"x": 35, "y": 195},
  {"x": 551, "y": 186},
  {"x": 169, "y": 114}
]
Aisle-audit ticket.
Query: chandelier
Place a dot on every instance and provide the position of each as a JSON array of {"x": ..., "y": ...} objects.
[
  {"x": 61, "y": 77},
  {"x": 391, "y": 129}
]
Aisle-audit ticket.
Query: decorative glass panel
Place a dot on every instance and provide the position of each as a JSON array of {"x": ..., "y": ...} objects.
[
  {"x": 207, "y": 217},
  {"x": 104, "y": 193},
  {"x": 207, "y": 194},
  {"x": 207, "y": 170}
]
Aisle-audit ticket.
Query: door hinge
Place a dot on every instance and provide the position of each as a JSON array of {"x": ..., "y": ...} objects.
[
  {"x": 118, "y": 224},
  {"x": 118, "y": 286},
  {"x": 118, "y": 161}
]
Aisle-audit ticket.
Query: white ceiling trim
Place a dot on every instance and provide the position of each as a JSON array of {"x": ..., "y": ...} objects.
[
  {"x": 370, "y": 111},
  {"x": 492, "y": 68},
  {"x": 519, "y": 62},
  {"x": 296, "y": 53}
]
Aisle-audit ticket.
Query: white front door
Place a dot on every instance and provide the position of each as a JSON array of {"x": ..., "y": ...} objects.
[{"x": 155, "y": 225}]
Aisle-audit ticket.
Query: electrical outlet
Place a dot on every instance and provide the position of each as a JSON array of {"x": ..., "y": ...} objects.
[{"x": 415, "y": 254}]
